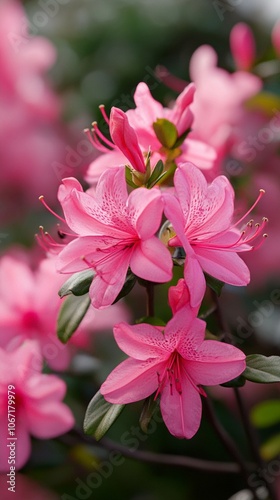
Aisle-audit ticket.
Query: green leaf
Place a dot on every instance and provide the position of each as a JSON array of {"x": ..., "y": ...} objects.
[
  {"x": 128, "y": 177},
  {"x": 78, "y": 284},
  {"x": 151, "y": 320},
  {"x": 100, "y": 415},
  {"x": 155, "y": 174},
  {"x": 181, "y": 139},
  {"x": 149, "y": 407},
  {"x": 168, "y": 173},
  {"x": 266, "y": 413},
  {"x": 166, "y": 132},
  {"x": 70, "y": 316},
  {"x": 214, "y": 284},
  {"x": 262, "y": 369},
  {"x": 271, "y": 448},
  {"x": 127, "y": 287},
  {"x": 236, "y": 382}
]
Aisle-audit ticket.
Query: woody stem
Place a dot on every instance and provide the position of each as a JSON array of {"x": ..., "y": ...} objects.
[{"x": 229, "y": 445}]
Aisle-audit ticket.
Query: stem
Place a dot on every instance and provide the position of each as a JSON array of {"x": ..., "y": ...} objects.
[
  {"x": 243, "y": 412},
  {"x": 150, "y": 298},
  {"x": 225, "y": 333},
  {"x": 252, "y": 439},
  {"x": 163, "y": 459},
  {"x": 229, "y": 445}
]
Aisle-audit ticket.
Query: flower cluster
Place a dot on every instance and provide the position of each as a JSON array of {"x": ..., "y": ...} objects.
[
  {"x": 157, "y": 197},
  {"x": 155, "y": 201}
]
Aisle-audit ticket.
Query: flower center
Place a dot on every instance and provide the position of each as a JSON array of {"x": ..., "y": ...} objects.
[
  {"x": 30, "y": 320},
  {"x": 171, "y": 375}
]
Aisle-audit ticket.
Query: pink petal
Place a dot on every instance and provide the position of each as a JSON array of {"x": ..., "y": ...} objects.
[
  {"x": 13, "y": 272},
  {"x": 178, "y": 296},
  {"x": 107, "y": 160},
  {"x": 152, "y": 261},
  {"x": 181, "y": 412},
  {"x": 149, "y": 107},
  {"x": 216, "y": 363},
  {"x": 125, "y": 139},
  {"x": 242, "y": 44},
  {"x": 48, "y": 420},
  {"x": 184, "y": 332},
  {"x": 110, "y": 279},
  {"x": 202, "y": 60},
  {"x": 145, "y": 208},
  {"x": 41, "y": 388},
  {"x": 206, "y": 208},
  {"x": 225, "y": 266},
  {"x": 181, "y": 116},
  {"x": 131, "y": 381},
  {"x": 200, "y": 153},
  {"x": 140, "y": 341}
]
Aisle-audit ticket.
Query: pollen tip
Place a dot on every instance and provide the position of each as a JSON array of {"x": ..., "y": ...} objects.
[
  {"x": 41, "y": 197},
  {"x": 86, "y": 130},
  {"x": 265, "y": 235},
  {"x": 41, "y": 228},
  {"x": 101, "y": 106},
  {"x": 94, "y": 124},
  {"x": 262, "y": 191},
  {"x": 265, "y": 219}
]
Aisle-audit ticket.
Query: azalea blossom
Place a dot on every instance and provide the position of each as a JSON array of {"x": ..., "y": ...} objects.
[
  {"x": 133, "y": 135},
  {"x": 114, "y": 231},
  {"x": 173, "y": 362},
  {"x": 29, "y": 307},
  {"x": 36, "y": 399},
  {"x": 202, "y": 218}
]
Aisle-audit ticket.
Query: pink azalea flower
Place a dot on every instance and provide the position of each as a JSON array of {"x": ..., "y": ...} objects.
[
  {"x": 242, "y": 44},
  {"x": 219, "y": 99},
  {"x": 133, "y": 135},
  {"x": 148, "y": 110},
  {"x": 115, "y": 231},
  {"x": 172, "y": 363},
  {"x": 201, "y": 216},
  {"x": 29, "y": 306},
  {"x": 37, "y": 402}
]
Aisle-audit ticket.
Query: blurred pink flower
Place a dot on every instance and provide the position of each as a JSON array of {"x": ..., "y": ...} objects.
[
  {"x": 275, "y": 37},
  {"x": 172, "y": 361},
  {"x": 201, "y": 216},
  {"x": 218, "y": 105},
  {"x": 30, "y": 134},
  {"x": 37, "y": 403},
  {"x": 24, "y": 59},
  {"x": 29, "y": 306},
  {"x": 242, "y": 44},
  {"x": 115, "y": 231}
]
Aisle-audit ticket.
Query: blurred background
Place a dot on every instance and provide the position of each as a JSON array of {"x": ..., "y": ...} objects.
[{"x": 96, "y": 52}]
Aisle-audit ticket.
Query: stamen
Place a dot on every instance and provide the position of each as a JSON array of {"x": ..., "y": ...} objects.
[
  {"x": 94, "y": 141},
  {"x": 104, "y": 114},
  {"x": 42, "y": 200},
  {"x": 261, "y": 193},
  {"x": 260, "y": 244},
  {"x": 102, "y": 136}
]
